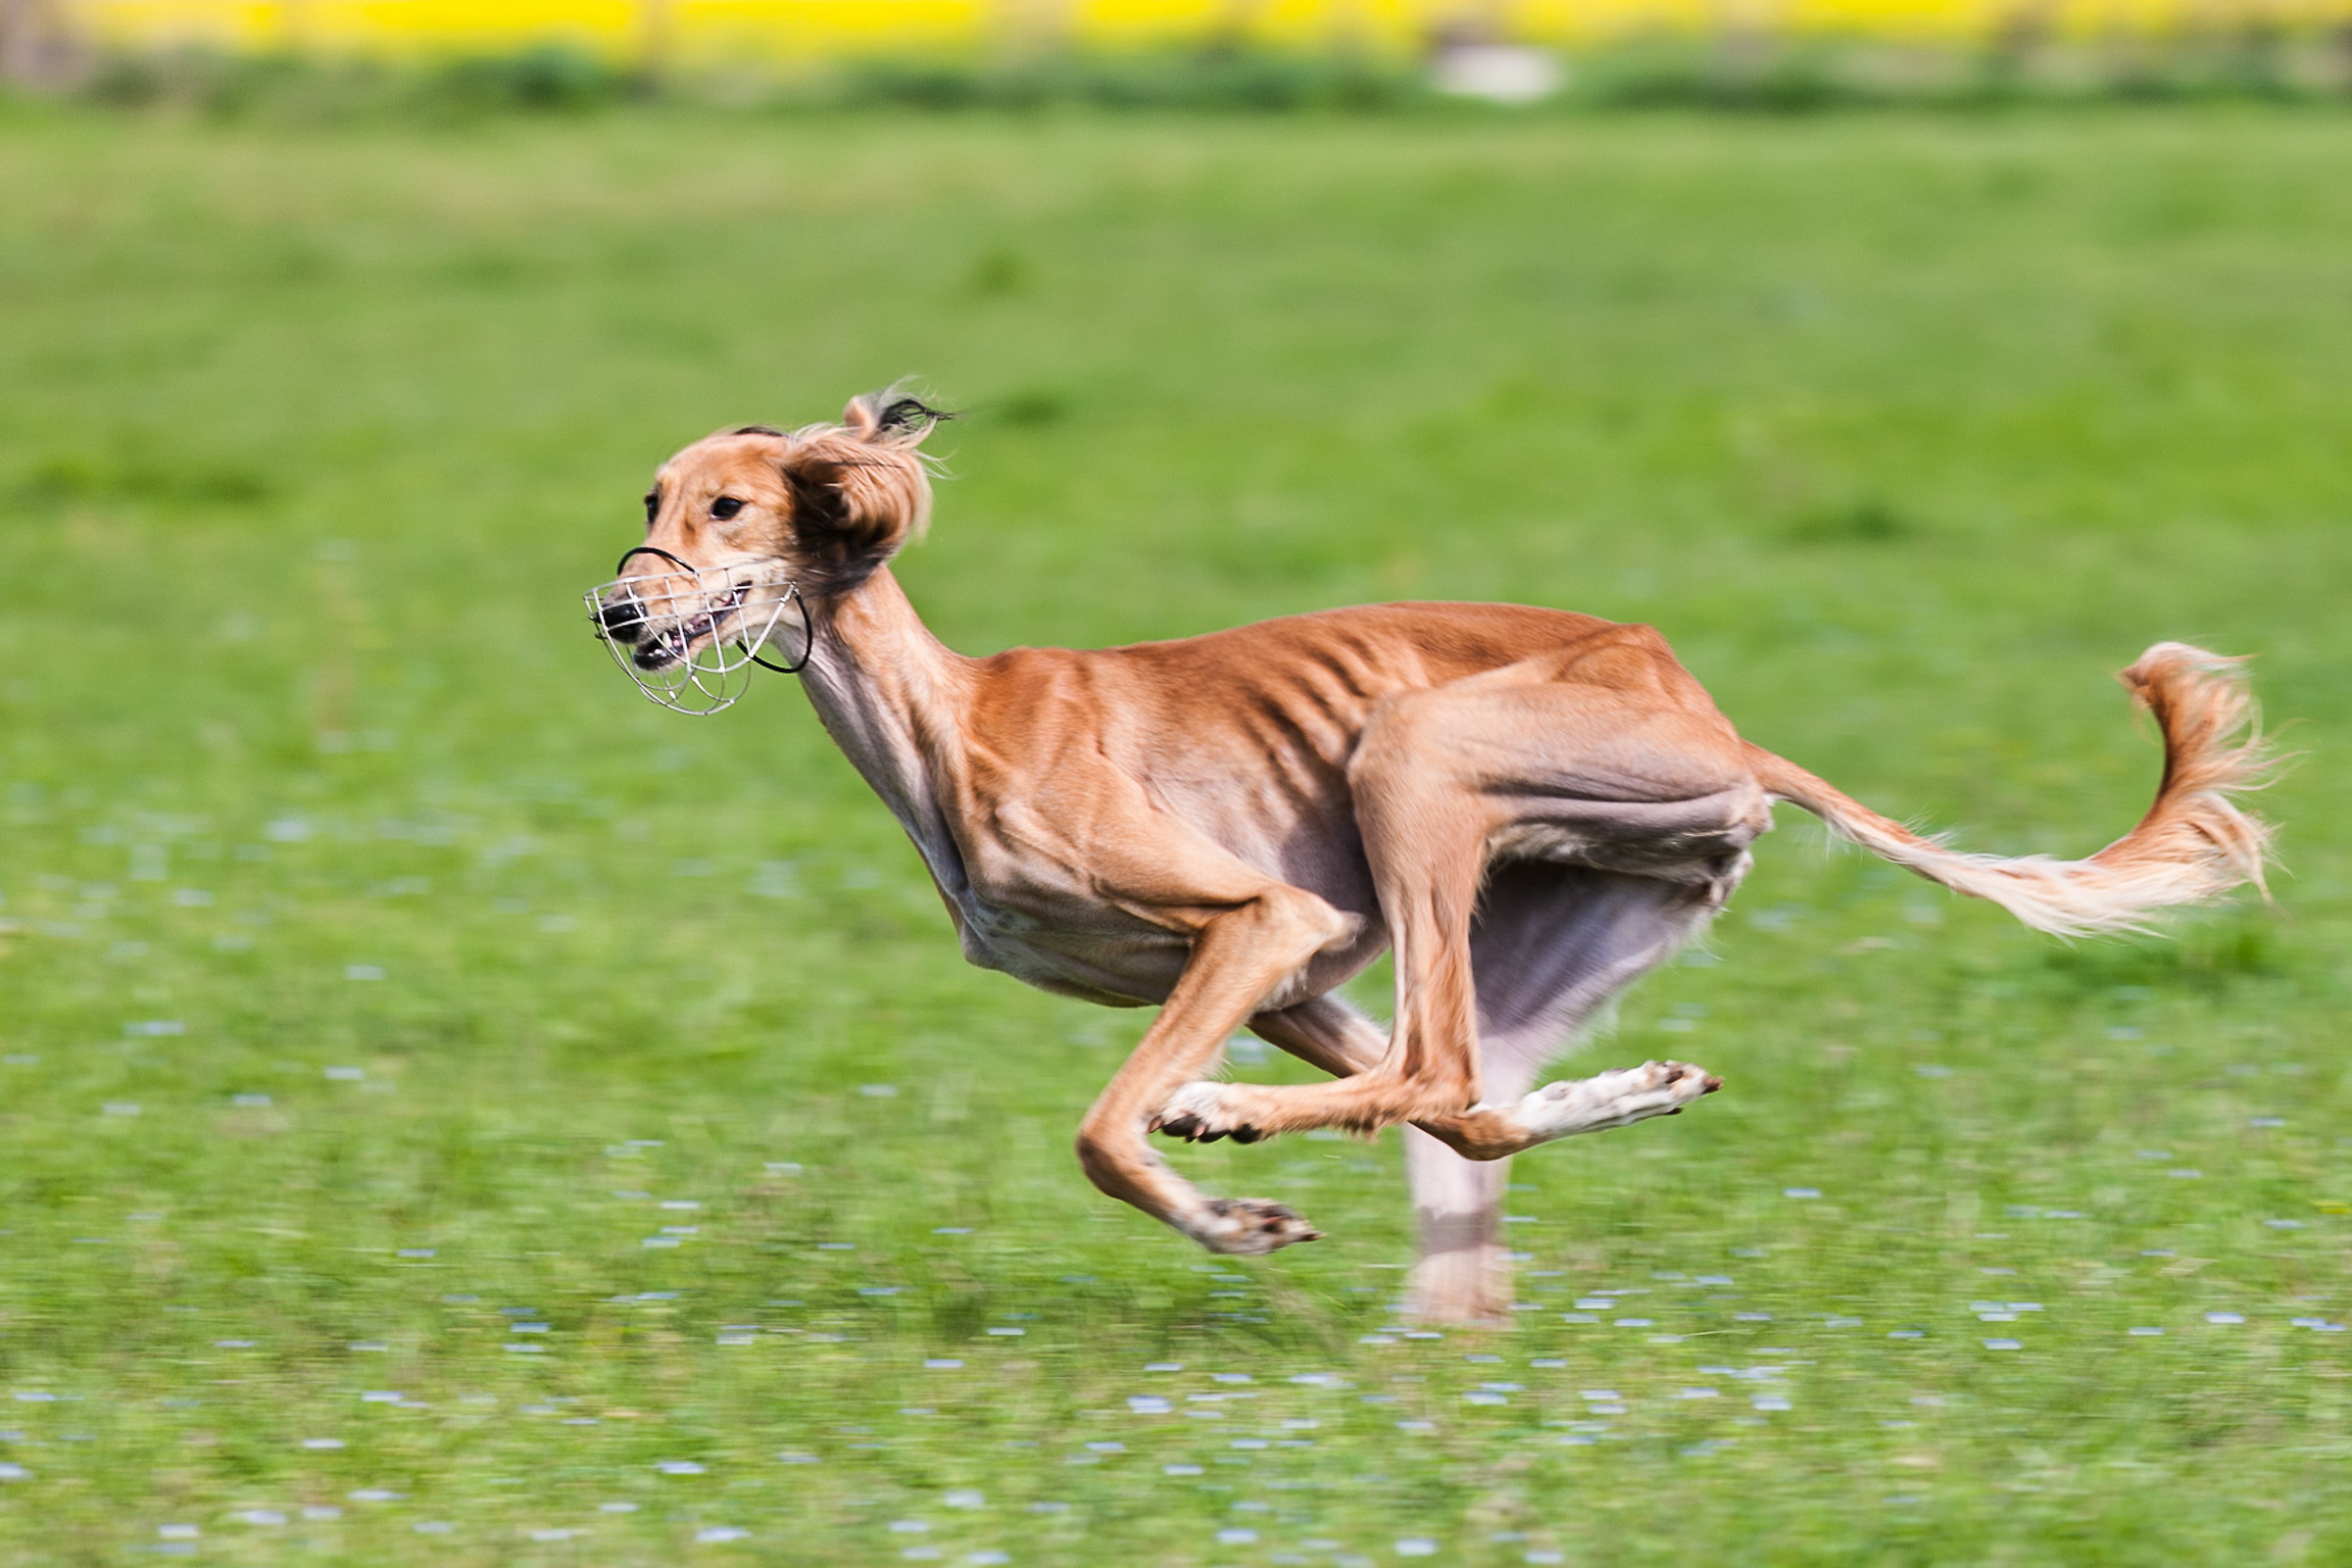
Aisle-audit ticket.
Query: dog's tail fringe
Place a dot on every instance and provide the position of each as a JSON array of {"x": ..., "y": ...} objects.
[{"x": 2195, "y": 843}]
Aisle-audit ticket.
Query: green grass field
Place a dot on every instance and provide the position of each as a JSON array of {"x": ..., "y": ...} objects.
[{"x": 454, "y": 1112}]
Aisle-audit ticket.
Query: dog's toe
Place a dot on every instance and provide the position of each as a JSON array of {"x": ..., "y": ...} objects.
[
  {"x": 1198, "y": 1113},
  {"x": 1254, "y": 1226}
]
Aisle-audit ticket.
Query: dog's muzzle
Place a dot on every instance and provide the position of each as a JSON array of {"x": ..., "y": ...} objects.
[{"x": 689, "y": 636}]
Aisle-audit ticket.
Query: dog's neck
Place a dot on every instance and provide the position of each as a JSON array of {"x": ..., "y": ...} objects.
[{"x": 890, "y": 694}]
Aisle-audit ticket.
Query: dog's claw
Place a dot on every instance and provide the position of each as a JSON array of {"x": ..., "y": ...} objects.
[
  {"x": 1198, "y": 1115},
  {"x": 1192, "y": 1130}
]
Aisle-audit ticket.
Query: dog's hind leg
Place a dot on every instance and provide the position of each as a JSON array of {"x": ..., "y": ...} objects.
[
  {"x": 1550, "y": 945},
  {"x": 1462, "y": 1272},
  {"x": 1454, "y": 783}
]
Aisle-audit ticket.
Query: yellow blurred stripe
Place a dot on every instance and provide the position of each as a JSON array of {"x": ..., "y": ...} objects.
[{"x": 714, "y": 29}]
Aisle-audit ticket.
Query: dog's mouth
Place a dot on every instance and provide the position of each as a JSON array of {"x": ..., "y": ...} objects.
[
  {"x": 688, "y": 637},
  {"x": 673, "y": 646}
]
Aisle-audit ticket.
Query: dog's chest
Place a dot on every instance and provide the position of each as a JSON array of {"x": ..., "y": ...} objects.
[{"x": 1083, "y": 951}]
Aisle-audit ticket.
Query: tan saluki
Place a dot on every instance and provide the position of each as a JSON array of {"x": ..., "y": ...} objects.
[{"x": 1528, "y": 807}]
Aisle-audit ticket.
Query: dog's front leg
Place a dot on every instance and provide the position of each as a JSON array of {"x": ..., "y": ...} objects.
[{"x": 1241, "y": 956}]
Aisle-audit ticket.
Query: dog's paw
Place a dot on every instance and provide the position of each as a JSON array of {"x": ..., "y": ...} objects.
[
  {"x": 1251, "y": 1227},
  {"x": 1615, "y": 1099},
  {"x": 1197, "y": 1115},
  {"x": 1679, "y": 1081}
]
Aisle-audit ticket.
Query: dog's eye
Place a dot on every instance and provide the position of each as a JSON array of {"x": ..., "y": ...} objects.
[
  {"x": 725, "y": 507},
  {"x": 652, "y": 505}
]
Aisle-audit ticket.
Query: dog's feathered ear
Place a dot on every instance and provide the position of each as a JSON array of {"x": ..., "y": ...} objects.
[
  {"x": 891, "y": 417},
  {"x": 856, "y": 500}
]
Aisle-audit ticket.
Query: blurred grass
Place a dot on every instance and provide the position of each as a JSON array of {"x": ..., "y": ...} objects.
[
  {"x": 1778, "y": 72},
  {"x": 382, "y": 976}
]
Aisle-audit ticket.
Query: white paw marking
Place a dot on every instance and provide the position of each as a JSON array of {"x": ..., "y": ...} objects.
[{"x": 1613, "y": 1098}]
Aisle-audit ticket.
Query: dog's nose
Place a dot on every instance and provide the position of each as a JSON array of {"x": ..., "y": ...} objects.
[{"x": 622, "y": 618}]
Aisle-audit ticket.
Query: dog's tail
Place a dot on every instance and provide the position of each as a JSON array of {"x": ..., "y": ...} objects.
[{"x": 2195, "y": 843}]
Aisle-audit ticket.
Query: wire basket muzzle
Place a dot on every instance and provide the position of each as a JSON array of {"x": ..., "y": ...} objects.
[{"x": 689, "y": 636}]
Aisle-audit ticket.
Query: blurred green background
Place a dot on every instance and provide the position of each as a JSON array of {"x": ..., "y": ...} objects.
[{"x": 452, "y": 1111}]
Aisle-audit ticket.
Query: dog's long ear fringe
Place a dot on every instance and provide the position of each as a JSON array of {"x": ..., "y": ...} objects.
[
  {"x": 909, "y": 419},
  {"x": 892, "y": 418}
]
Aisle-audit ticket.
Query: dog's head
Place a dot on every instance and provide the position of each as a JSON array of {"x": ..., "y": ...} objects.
[{"x": 750, "y": 523}]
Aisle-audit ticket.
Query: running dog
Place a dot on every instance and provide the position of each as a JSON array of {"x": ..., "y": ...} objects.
[{"x": 1528, "y": 807}]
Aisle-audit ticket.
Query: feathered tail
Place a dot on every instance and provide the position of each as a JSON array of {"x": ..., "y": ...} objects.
[{"x": 2194, "y": 843}]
